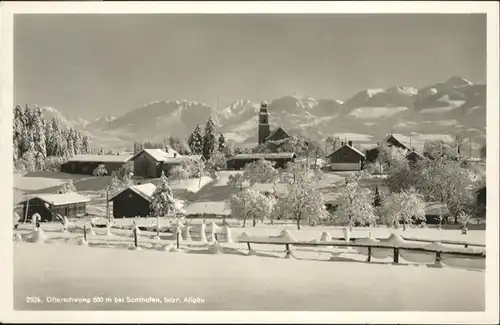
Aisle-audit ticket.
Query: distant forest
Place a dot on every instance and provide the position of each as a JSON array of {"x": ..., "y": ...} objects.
[{"x": 42, "y": 144}]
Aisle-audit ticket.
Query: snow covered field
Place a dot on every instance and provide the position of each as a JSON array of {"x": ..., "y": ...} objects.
[{"x": 232, "y": 281}]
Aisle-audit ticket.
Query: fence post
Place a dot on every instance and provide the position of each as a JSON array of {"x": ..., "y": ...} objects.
[
  {"x": 396, "y": 255},
  {"x": 369, "y": 254},
  {"x": 215, "y": 236},
  {"x": 135, "y": 237},
  {"x": 438, "y": 258},
  {"x": 249, "y": 248},
  {"x": 288, "y": 251},
  {"x": 85, "y": 232},
  {"x": 177, "y": 238}
]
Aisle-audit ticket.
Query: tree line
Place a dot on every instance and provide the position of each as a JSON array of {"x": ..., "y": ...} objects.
[{"x": 43, "y": 144}]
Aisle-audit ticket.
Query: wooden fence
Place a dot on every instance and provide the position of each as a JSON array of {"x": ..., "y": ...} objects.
[{"x": 395, "y": 248}]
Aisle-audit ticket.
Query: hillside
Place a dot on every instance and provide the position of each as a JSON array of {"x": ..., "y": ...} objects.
[{"x": 454, "y": 107}]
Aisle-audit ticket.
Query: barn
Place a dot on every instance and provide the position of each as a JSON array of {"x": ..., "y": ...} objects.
[
  {"x": 346, "y": 158},
  {"x": 238, "y": 162},
  {"x": 85, "y": 164},
  {"x": 148, "y": 162},
  {"x": 135, "y": 200},
  {"x": 48, "y": 205},
  {"x": 132, "y": 201}
]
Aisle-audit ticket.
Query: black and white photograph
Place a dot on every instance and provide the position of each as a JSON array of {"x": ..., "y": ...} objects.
[{"x": 168, "y": 157}]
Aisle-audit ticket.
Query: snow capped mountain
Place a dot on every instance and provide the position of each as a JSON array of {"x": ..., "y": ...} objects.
[
  {"x": 453, "y": 107},
  {"x": 238, "y": 111}
]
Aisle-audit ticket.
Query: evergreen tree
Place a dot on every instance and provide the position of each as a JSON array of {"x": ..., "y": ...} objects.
[
  {"x": 70, "y": 149},
  {"x": 86, "y": 145},
  {"x": 18, "y": 130},
  {"x": 209, "y": 139},
  {"x": 38, "y": 130},
  {"x": 377, "y": 201},
  {"x": 221, "y": 143},
  {"x": 163, "y": 204},
  {"x": 195, "y": 141}
]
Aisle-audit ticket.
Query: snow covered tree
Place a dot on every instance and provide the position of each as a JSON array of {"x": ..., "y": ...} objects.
[
  {"x": 221, "y": 145},
  {"x": 441, "y": 149},
  {"x": 195, "y": 141},
  {"x": 355, "y": 203},
  {"x": 332, "y": 144},
  {"x": 216, "y": 162},
  {"x": 250, "y": 203},
  {"x": 100, "y": 151},
  {"x": 235, "y": 182},
  {"x": 300, "y": 173},
  {"x": 301, "y": 200},
  {"x": 67, "y": 187},
  {"x": 209, "y": 140},
  {"x": 38, "y": 131},
  {"x": 178, "y": 173},
  {"x": 406, "y": 207},
  {"x": 163, "y": 204},
  {"x": 86, "y": 149},
  {"x": 260, "y": 171},
  {"x": 100, "y": 170}
]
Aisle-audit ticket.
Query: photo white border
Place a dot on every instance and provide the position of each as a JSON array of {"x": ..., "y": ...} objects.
[{"x": 7, "y": 314}]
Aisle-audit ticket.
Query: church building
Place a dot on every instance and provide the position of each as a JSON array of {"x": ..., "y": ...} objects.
[{"x": 265, "y": 132}]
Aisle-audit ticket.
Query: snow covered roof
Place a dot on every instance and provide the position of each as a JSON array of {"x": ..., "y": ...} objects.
[
  {"x": 350, "y": 147},
  {"x": 278, "y": 155},
  {"x": 275, "y": 131},
  {"x": 101, "y": 158},
  {"x": 158, "y": 154},
  {"x": 144, "y": 190},
  {"x": 62, "y": 199}
]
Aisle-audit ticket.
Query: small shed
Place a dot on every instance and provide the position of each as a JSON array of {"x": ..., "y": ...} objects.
[
  {"x": 135, "y": 200},
  {"x": 148, "y": 162},
  {"x": 86, "y": 164},
  {"x": 48, "y": 205},
  {"x": 238, "y": 162},
  {"x": 347, "y": 158}
]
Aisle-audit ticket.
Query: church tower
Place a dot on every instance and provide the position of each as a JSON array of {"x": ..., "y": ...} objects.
[{"x": 264, "y": 129}]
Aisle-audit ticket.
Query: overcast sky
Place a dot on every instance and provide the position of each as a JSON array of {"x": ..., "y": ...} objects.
[{"x": 94, "y": 65}]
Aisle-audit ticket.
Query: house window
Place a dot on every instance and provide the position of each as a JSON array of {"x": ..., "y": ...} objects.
[{"x": 130, "y": 195}]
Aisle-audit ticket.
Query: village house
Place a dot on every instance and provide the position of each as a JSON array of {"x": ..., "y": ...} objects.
[
  {"x": 135, "y": 200},
  {"x": 49, "y": 205},
  {"x": 86, "y": 164},
  {"x": 280, "y": 160},
  {"x": 150, "y": 163},
  {"x": 346, "y": 158}
]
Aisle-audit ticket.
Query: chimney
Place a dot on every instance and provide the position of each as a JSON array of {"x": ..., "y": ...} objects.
[
  {"x": 342, "y": 143},
  {"x": 350, "y": 143}
]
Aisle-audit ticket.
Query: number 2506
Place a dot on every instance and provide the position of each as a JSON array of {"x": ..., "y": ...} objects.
[{"x": 33, "y": 300}]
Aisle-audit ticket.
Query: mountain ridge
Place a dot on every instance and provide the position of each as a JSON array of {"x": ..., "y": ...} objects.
[{"x": 453, "y": 107}]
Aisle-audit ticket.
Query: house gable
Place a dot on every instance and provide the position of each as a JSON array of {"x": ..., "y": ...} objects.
[{"x": 346, "y": 154}]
